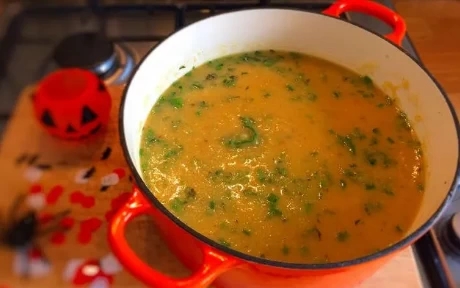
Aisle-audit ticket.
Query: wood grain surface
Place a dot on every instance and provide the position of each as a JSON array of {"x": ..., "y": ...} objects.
[{"x": 431, "y": 27}]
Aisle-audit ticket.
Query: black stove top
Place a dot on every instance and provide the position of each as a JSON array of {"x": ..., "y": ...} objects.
[{"x": 109, "y": 37}]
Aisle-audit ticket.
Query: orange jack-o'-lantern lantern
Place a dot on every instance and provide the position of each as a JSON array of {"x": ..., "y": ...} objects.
[{"x": 72, "y": 103}]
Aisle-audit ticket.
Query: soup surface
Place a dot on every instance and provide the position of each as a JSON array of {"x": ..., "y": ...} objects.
[{"x": 284, "y": 156}]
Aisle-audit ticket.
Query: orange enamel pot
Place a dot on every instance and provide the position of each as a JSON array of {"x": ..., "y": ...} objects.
[{"x": 322, "y": 35}]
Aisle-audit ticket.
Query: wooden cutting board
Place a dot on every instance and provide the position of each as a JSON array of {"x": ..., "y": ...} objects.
[{"x": 90, "y": 179}]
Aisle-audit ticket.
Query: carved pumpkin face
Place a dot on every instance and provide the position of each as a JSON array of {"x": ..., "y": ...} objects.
[{"x": 72, "y": 103}]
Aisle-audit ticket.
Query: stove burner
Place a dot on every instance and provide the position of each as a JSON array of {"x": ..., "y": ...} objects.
[
  {"x": 127, "y": 59},
  {"x": 451, "y": 234},
  {"x": 88, "y": 50}
]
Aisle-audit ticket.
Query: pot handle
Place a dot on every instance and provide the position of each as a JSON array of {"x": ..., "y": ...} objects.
[
  {"x": 213, "y": 263},
  {"x": 372, "y": 8}
]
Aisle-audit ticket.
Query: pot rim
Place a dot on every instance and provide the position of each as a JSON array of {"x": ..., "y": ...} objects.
[{"x": 317, "y": 266}]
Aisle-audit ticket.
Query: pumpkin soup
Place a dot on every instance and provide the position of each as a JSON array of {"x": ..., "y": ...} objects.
[{"x": 284, "y": 156}]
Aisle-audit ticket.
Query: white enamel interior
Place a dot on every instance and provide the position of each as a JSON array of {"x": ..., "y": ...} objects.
[{"x": 313, "y": 34}]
